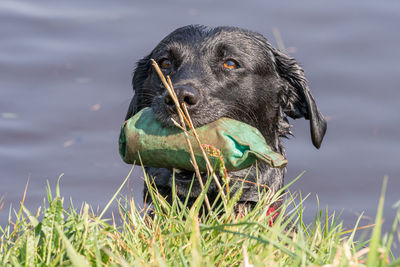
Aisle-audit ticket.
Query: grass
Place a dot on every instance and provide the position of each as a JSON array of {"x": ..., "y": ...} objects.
[{"x": 178, "y": 236}]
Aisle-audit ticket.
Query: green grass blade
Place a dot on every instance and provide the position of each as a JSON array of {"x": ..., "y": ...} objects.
[
  {"x": 76, "y": 259},
  {"x": 116, "y": 193},
  {"x": 391, "y": 236},
  {"x": 353, "y": 233},
  {"x": 395, "y": 263},
  {"x": 373, "y": 255},
  {"x": 32, "y": 218}
]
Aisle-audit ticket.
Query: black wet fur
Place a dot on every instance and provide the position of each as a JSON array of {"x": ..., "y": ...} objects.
[{"x": 265, "y": 89}]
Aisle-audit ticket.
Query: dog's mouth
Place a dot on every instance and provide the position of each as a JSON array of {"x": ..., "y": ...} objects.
[
  {"x": 199, "y": 117},
  {"x": 169, "y": 118}
]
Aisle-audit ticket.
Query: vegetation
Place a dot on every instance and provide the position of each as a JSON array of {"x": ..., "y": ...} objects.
[{"x": 176, "y": 235}]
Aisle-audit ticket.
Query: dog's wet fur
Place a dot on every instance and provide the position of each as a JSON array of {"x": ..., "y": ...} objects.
[{"x": 226, "y": 72}]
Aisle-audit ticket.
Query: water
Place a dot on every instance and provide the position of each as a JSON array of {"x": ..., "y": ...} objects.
[{"x": 65, "y": 71}]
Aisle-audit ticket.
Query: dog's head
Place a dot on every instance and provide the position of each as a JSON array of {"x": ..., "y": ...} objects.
[{"x": 227, "y": 72}]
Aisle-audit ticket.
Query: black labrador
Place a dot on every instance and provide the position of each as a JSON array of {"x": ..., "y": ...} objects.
[{"x": 226, "y": 72}]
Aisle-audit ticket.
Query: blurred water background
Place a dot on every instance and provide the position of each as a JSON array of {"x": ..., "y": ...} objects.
[{"x": 65, "y": 73}]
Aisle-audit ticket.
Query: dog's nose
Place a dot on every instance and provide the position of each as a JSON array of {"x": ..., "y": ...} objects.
[{"x": 185, "y": 94}]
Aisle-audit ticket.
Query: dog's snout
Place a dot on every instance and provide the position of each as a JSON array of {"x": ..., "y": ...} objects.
[{"x": 185, "y": 94}]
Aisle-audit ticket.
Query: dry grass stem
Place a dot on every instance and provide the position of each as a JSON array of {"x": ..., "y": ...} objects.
[
  {"x": 204, "y": 153},
  {"x": 171, "y": 91},
  {"x": 359, "y": 228}
]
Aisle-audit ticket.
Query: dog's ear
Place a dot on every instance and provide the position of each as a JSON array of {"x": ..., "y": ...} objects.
[
  {"x": 297, "y": 100},
  {"x": 139, "y": 76}
]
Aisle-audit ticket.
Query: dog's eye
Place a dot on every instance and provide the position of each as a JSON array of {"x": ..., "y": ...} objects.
[
  {"x": 165, "y": 63},
  {"x": 230, "y": 64}
]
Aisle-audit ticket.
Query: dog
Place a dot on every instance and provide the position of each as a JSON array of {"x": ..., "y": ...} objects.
[{"x": 226, "y": 72}]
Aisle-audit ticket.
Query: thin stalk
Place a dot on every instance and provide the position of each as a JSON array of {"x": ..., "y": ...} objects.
[
  {"x": 204, "y": 154},
  {"x": 182, "y": 118}
]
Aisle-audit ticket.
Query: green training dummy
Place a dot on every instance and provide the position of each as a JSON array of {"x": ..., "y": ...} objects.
[{"x": 240, "y": 145}]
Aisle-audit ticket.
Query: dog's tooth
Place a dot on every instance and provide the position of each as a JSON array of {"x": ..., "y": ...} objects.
[{"x": 177, "y": 170}]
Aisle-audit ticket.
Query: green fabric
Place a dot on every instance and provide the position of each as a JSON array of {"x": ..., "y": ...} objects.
[{"x": 159, "y": 146}]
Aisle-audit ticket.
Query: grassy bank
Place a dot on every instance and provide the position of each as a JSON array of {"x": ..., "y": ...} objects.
[{"x": 62, "y": 235}]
